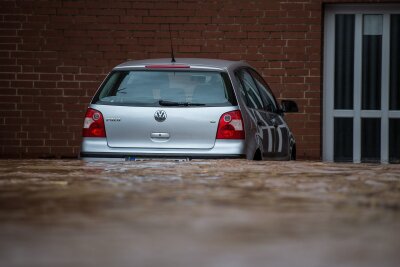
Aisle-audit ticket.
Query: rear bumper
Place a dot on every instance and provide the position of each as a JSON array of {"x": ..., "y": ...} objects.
[
  {"x": 124, "y": 157},
  {"x": 97, "y": 149}
]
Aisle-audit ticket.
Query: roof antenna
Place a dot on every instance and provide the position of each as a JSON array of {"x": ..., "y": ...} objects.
[{"x": 172, "y": 48}]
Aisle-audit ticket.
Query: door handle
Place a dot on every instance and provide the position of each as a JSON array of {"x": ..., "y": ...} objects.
[{"x": 159, "y": 135}]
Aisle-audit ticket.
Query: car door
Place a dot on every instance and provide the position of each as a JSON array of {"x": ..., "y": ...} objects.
[
  {"x": 258, "y": 112},
  {"x": 281, "y": 130}
]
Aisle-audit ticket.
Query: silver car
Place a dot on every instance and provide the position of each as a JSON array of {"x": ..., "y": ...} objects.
[{"x": 191, "y": 108}]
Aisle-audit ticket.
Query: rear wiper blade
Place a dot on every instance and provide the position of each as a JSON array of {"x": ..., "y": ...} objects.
[{"x": 184, "y": 104}]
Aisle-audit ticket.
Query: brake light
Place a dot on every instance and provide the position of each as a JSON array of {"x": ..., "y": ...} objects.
[
  {"x": 93, "y": 125},
  {"x": 230, "y": 126},
  {"x": 167, "y": 66}
]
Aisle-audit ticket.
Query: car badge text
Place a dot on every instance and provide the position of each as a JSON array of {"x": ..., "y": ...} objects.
[
  {"x": 160, "y": 115},
  {"x": 113, "y": 119}
]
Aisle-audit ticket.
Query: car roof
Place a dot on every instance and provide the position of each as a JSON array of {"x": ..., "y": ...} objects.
[{"x": 203, "y": 63}]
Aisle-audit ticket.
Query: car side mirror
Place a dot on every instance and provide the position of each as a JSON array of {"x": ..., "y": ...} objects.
[{"x": 289, "y": 106}]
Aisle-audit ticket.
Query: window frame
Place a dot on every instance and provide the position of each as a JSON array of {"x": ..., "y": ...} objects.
[
  {"x": 250, "y": 71},
  {"x": 237, "y": 75},
  {"x": 231, "y": 100},
  {"x": 269, "y": 93},
  {"x": 357, "y": 113}
]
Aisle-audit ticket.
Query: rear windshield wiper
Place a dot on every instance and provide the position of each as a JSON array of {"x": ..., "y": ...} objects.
[{"x": 178, "y": 104}]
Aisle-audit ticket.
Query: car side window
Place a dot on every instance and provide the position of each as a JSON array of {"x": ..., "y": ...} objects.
[
  {"x": 253, "y": 98},
  {"x": 265, "y": 92}
]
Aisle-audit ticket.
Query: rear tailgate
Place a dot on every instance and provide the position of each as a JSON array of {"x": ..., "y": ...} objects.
[{"x": 183, "y": 128}]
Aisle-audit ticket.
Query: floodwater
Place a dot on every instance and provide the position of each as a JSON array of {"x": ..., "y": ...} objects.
[{"x": 216, "y": 213}]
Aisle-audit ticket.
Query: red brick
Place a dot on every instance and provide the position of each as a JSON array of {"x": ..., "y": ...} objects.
[
  {"x": 28, "y": 106},
  {"x": 46, "y": 84}
]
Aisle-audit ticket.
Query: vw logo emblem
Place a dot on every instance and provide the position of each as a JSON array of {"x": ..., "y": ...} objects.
[{"x": 160, "y": 115}]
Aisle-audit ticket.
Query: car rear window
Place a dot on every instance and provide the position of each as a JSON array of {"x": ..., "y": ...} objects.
[{"x": 150, "y": 88}]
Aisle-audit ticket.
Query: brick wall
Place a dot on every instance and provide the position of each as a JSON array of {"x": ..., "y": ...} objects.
[{"x": 54, "y": 54}]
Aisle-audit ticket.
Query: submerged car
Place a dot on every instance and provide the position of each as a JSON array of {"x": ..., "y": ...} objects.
[{"x": 191, "y": 108}]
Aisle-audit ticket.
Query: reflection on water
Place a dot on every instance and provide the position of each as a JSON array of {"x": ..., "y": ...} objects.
[{"x": 198, "y": 213}]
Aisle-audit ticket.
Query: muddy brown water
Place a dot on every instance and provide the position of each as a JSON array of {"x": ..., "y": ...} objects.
[{"x": 213, "y": 213}]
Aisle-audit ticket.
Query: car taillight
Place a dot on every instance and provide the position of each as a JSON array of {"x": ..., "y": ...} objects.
[
  {"x": 230, "y": 126},
  {"x": 171, "y": 66},
  {"x": 93, "y": 125}
]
